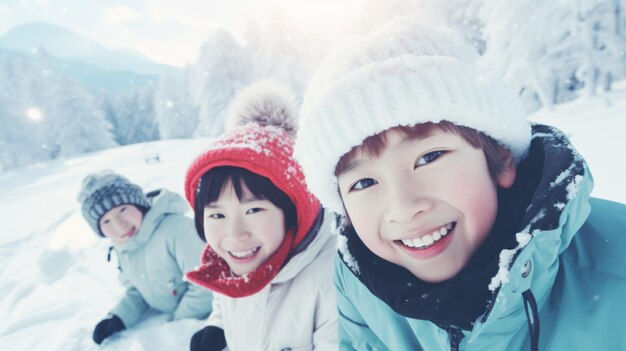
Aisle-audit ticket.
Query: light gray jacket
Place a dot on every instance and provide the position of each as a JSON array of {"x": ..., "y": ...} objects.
[
  {"x": 296, "y": 311},
  {"x": 153, "y": 263}
]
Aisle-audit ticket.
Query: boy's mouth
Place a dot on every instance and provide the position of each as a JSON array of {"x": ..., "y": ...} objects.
[
  {"x": 131, "y": 232},
  {"x": 245, "y": 254},
  {"x": 428, "y": 240}
]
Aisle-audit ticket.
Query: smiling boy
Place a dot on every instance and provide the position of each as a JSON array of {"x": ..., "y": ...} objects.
[
  {"x": 121, "y": 223},
  {"x": 155, "y": 244},
  {"x": 465, "y": 228},
  {"x": 424, "y": 225}
]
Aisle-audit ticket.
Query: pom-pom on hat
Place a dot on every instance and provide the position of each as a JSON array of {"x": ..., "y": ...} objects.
[
  {"x": 102, "y": 191},
  {"x": 259, "y": 138},
  {"x": 404, "y": 73},
  {"x": 266, "y": 103}
]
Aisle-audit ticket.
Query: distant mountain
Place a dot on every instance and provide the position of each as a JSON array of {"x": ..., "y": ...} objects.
[
  {"x": 67, "y": 45},
  {"x": 92, "y": 78}
]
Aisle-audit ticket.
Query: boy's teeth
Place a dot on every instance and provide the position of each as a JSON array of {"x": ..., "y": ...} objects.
[
  {"x": 429, "y": 239},
  {"x": 417, "y": 242},
  {"x": 243, "y": 254},
  {"x": 436, "y": 236},
  {"x": 413, "y": 242}
]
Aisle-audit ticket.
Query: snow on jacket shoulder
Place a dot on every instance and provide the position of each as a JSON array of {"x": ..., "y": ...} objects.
[
  {"x": 296, "y": 311},
  {"x": 153, "y": 264}
]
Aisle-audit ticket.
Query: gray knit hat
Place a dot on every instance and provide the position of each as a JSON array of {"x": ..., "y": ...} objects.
[
  {"x": 102, "y": 191},
  {"x": 404, "y": 73}
]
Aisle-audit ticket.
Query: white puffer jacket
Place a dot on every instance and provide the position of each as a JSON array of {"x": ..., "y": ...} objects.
[{"x": 296, "y": 311}]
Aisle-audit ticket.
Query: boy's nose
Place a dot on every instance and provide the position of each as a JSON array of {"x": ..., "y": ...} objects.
[
  {"x": 402, "y": 204},
  {"x": 122, "y": 224}
]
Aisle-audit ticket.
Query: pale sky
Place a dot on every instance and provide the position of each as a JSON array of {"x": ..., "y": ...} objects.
[{"x": 167, "y": 31}]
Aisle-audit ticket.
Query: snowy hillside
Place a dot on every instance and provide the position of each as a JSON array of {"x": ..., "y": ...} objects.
[{"x": 55, "y": 282}]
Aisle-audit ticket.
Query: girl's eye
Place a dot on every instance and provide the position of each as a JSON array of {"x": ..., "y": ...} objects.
[
  {"x": 362, "y": 184},
  {"x": 122, "y": 209},
  {"x": 254, "y": 210},
  {"x": 428, "y": 158},
  {"x": 106, "y": 221},
  {"x": 216, "y": 216}
]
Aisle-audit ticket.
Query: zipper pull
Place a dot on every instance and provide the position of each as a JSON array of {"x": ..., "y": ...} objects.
[
  {"x": 109, "y": 254},
  {"x": 172, "y": 286}
]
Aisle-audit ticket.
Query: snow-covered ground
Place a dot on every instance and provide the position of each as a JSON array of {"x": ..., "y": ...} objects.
[{"x": 55, "y": 281}]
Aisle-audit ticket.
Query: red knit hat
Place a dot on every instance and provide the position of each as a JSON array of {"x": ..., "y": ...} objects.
[{"x": 261, "y": 141}]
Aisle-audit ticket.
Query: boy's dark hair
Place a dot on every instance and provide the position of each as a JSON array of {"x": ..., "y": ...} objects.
[
  {"x": 213, "y": 181},
  {"x": 375, "y": 144}
]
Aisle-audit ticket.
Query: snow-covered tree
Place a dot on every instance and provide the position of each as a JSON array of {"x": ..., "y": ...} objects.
[
  {"x": 221, "y": 70},
  {"x": 175, "y": 111},
  {"x": 603, "y": 50},
  {"x": 43, "y": 115},
  {"x": 461, "y": 15},
  {"x": 277, "y": 54},
  {"x": 289, "y": 49},
  {"x": 547, "y": 49},
  {"x": 77, "y": 124},
  {"x": 17, "y": 147},
  {"x": 133, "y": 116}
]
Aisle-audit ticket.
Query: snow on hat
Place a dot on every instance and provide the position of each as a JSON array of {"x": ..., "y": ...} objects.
[
  {"x": 102, "y": 191},
  {"x": 259, "y": 137},
  {"x": 404, "y": 73}
]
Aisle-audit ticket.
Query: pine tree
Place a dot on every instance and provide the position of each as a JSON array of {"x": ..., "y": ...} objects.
[
  {"x": 278, "y": 56},
  {"x": 133, "y": 117},
  {"x": 77, "y": 124},
  {"x": 548, "y": 49},
  {"x": 175, "y": 112},
  {"x": 603, "y": 50},
  {"x": 222, "y": 69},
  {"x": 45, "y": 115}
]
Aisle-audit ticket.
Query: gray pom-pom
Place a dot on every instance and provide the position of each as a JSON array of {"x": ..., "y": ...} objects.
[{"x": 267, "y": 103}]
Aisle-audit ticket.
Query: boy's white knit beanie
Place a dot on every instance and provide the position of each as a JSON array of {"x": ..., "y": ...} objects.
[{"x": 404, "y": 73}]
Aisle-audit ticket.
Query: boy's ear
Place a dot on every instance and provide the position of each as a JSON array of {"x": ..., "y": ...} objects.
[{"x": 506, "y": 178}]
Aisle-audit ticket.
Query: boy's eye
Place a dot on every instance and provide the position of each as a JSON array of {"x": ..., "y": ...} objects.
[
  {"x": 362, "y": 184},
  {"x": 106, "y": 221},
  {"x": 122, "y": 209},
  {"x": 216, "y": 216},
  {"x": 254, "y": 210},
  {"x": 428, "y": 158}
]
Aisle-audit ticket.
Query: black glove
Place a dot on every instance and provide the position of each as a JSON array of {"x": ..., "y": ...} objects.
[
  {"x": 208, "y": 339},
  {"x": 107, "y": 327}
]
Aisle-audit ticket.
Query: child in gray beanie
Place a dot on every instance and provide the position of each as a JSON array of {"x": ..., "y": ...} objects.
[
  {"x": 155, "y": 245},
  {"x": 466, "y": 228}
]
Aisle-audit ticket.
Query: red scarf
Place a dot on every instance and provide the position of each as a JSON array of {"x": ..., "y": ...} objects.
[{"x": 215, "y": 274}]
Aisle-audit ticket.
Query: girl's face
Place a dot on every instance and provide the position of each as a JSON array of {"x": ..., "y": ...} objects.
[
  {"x": 121, "y": 223},
  {"x": 244, "y": 233}
]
